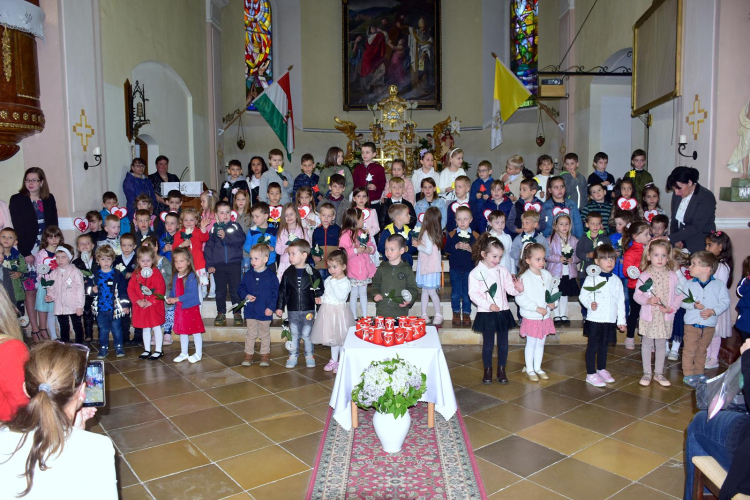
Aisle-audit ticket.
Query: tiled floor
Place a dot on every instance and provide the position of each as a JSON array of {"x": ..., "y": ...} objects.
[{"x": 218, "y": 430}]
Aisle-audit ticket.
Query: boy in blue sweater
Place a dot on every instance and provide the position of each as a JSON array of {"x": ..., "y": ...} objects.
[
  {"x": 325, "y": 238},
  {"x": 307, "y": 178},
  {"x": 262, "y": 232},
  {"x": 481, "y": 189},
  {"x": 498, "y": 201},
  {"x": 400, "y": 216},
  {"x": 710, "y": 299},
  {"x": 458, "y": 248},
  {"x": 109, "y": 201},
  {"x": 260, "y": 288},
  {"x": 462, "y": 186},
  {"x": 166, "y": 240},
  {"x": 223, "y": 253},
  {"x": 111, "y": 304},
  {"x": 527, "y": 200}
]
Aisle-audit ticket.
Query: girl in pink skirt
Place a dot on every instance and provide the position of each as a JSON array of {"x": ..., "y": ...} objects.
[{"x": 535, "y": 307}]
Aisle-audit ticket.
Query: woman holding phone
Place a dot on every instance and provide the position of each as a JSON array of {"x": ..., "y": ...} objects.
[{"x": 43, "y": 446}]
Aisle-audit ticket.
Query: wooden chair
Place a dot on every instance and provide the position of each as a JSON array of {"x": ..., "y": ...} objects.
[{"x": 709, "y": 474}]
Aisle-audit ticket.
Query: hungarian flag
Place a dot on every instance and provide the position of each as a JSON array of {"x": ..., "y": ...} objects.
[
  {"x": 275, "y": 105},
  {"x": 509, "y": 94}
]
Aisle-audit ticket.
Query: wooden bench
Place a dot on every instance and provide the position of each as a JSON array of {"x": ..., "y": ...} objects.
[{"x": 711, "y": 475}]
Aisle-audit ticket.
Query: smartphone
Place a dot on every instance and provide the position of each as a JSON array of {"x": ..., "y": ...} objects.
[{"x": 95, "y": 395}]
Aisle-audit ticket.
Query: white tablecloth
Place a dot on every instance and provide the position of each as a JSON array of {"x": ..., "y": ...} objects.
[{"x": 425, "y": 353}]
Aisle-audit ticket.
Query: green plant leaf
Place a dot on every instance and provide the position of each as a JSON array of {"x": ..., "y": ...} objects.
[
  {"x": 316, "y": 283},
  {"x": 595, "y": 287},
  {"x": 646, "y": 286},
  {"x": 493, "y": 290},
  {"x": 690, "y": 299},
  {"x": 550, "y": 298}
]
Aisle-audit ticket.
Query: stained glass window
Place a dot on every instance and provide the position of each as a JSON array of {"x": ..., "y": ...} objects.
[
  {"x": 258, "y": 45},
  {"x": 524, "y": 54}
]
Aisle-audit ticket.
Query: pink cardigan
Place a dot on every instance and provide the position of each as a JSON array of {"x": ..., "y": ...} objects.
[
  {"x": 428, "y": 263},
  {"x": 359, "y": 265},
  {"x": 674, "y": 301},
  {"x": 554, "y": 256},
  {"x": 482, "y": 278},
  {"x": 282, "y": 240},
  {"x": 67, "y": 291}
]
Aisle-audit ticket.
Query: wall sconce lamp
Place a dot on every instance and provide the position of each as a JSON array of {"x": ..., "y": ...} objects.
[
  {"x": 683, "y": 145},
  {"x": 97, "y": 157}
]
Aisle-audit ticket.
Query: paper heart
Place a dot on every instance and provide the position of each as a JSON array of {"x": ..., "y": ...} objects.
[
  {"x": 627, "y": 203},
  {"x": 366, "y": 213},
  {"x": 81, "y": 224},
  {"x": 120, "y": 212},
  {"x": 455, "y": 205},
  {"x": 537, "y": 207},
  {"x": 163, "y": 216},
  {"x": 275, "y": 211},
  {"x": 560, "y": 210},
  {"x": 47, "y": 261},
  {"x": 304, "y": 211},
  {"x": 233, "y": 216},
  {"x": 153, "y": 218},
  {"x": 487, "y": 213},
  {"x": 420, "y": 217},
  {"x": 649, "y": 215}
]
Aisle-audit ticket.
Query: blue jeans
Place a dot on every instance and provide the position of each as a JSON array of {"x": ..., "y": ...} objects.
[
  {"x": 717, "y": 438},
  {"x": 460, "y": 291},
  {"x": 300, "y": 326},
  {"x": 106, "y": 322},
  {"x": 323, "y": 274}
]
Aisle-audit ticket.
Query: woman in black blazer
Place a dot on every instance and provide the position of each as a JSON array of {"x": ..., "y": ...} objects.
[
  {"x": 690, "y": 226},
  {"x": 34, "y": 195}
]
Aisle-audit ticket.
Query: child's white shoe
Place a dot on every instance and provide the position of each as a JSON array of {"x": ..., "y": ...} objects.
[
  {"x": 291, "y": 362},
  {"x": 194, "y": 358},
  {"x": 331, "y": 366},
  {"x": 182, "y": 357},
  {"x": 673, "y": 356},
  {"x": 437, "y": 320},
  {"x": 629, "y": 344}
]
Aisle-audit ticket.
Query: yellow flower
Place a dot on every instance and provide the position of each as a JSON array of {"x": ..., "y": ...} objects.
[
  {"x": 328, "y": 181},
  {"x": 453, "y": 185},
  {"x": 280, "y": 169},
  {"x": 309, "y": 316},
  {"x": 437, "y": 190}
]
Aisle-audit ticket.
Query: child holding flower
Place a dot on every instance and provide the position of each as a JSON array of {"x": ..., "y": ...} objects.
[
  {"x": 371, "y": 226},
  {"x": 562, "y": 264},
  {"x": 193, "y": 240},
  {"x": 358, "y": 247},
  {"x": 45, "y": 263},
  {"x": 185, "y": 298},
  {"x": 146, "y": 292},
  {"x": 290, "y": 230}
]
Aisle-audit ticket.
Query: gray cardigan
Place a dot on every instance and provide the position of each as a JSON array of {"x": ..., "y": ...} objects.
[
  {"x": 714, "y": 296},
  {"x": 700, "y": 219}
]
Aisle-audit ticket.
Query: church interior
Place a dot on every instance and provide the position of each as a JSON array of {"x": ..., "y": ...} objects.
[{"x": 663, "y": 76}]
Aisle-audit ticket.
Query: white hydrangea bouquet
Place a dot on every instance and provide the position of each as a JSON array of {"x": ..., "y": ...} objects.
[{"x": 390, "y": 386}]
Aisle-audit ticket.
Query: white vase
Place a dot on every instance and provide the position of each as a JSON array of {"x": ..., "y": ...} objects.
[{"x": 391, "y": 431}]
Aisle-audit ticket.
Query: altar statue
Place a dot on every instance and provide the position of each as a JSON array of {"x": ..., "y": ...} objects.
[{"x": 738, "y": 162}]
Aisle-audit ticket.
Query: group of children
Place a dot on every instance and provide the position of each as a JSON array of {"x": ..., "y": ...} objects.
[{"x": 312, "y": 245}]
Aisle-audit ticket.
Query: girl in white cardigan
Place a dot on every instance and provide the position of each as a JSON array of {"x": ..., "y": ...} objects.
[{"x": 535, "y": 308}]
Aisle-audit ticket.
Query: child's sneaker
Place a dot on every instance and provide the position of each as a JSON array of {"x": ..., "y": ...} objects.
[
  {"x": 238, "y": 321},
  {"x": 645, "y": 380},
  {"x": 265, "y": 360},
  {"x": 120, "y": 353},
  {"x": 690, "y": 380},
  {"x": 248, "y": 361},
  {"x": 310, "y": 361},
  {"x": 711, "y": 363},
  {"x": 701, "y": 378},
  {"x": 182, "y": 357},
  {"x": 102, "y": 354},
  {"x": 168, "y": 339},
  {"x": 291, "y": 362},
  {"x": 332, "y": 365},
  {"x": 605, "y": 376},
  {"x": 437, "y": 320},
  {"x": 673, "y": 356},
  {"x": 221, "y": 320},
  {"x": 662, "y": 380},
  {"x": 629, "y": 343},
  {"x": 595, "y": 380},
  {"x": 194, "y": 358}
]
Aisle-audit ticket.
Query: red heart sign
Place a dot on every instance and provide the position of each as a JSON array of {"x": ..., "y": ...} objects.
[
  {"x": 163, "y": 216},
  {"x": 120, "y": 212},
  {"x": 304, "y": 211},
  {"x": 153, "y": 218},
  {"x": 537, "y": 207},
  {"x": 420, "y": 217},
  {"x": 275, "y": 212},
  {"x": 627, "y": 203},
  {"x": 487, "y": 213},
  {"x": 233, "y": 216},
  {"x": 81, "y": 224},
  {"x": 649, "y": 215},
  {"x": 456, "y": 204},
  {"x": 366, "y": 213},
  {"x": 560, "y": 210}
]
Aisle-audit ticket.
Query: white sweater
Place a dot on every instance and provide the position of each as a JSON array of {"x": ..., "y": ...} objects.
[
  {"x": 533, "y": 295},
  {"x": 505, "y": 260},
  {"x": 336, "y": 291},
  {"x": 418, "y": 176},
  {"x": 610, "y": 300},
  {"x": 447, "y": 178}
]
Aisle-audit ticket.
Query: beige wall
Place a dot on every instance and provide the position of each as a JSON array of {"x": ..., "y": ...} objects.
[
  {"x": 172, "y": 32},
  {"x": 463, "y": 56}
]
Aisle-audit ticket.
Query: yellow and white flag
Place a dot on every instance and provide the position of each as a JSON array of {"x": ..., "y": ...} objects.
[{"x": 509, "y": 94}]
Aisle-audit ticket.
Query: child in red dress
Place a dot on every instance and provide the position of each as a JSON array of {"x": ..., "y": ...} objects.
[
  {"x": 193, "y": 237},
  {"x": 146, "y": 292},
  {"x": 185, "y": 296}
]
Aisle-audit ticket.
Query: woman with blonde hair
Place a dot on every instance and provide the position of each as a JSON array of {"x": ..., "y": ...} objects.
[
  {"x": 43, "y": 447},
  {"x": 13, "y": 356}
]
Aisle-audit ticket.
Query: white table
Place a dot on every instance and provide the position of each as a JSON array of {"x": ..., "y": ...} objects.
[{"x": 425, "y": 353}]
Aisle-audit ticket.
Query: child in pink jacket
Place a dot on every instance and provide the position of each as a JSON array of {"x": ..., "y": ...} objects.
[
  {"x": 658, "y": 306},
  {"x": 359, "y": 247},
  {"x": 67, "y": 292}
]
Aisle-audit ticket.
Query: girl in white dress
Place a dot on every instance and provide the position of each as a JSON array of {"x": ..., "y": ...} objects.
[
  {"x": 334, "y": 317},
  {"x": 450, "y": 173}
]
